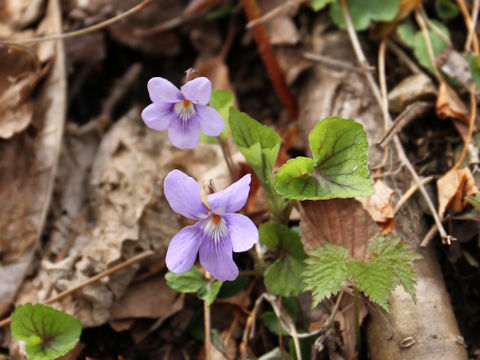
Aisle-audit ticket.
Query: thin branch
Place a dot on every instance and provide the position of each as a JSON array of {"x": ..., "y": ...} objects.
[
  {"x": 420, "y": 17},
  {"x": 285, "y": 7},
  {"x": 471, "y": 31},
  {"x": 409, "y": 193},
  {"x": 90, "y": 281},
  {"x": 269, "y": 59},
  {"x": 473, "y": 116},
  {"x": 86, "y": 30},
  {"x": 388, "y": 120},
  {"x": 333, "y": 62},
  {"x": 470, "y": 27}
]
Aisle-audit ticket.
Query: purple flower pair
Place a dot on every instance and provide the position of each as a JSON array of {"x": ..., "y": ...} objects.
[
  {"x": 183, "y": 112},
  {"x": 219, "y": 230}
]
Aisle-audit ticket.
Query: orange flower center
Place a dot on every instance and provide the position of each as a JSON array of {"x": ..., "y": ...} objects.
[
  {"x": 186, "y": 103},
  {"x": 216, "y": 219}
]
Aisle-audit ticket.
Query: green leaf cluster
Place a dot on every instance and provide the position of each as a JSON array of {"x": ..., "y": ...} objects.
[
  {"x": 260, "y": 146},
  {"x": 283, "y": 277},
  {"x": 363, "y": 12},
  {"x": 389, "y": 265},
  {"x": 416, "y": 41},
  {"x": 193, "y": 281},
  {"x": 338, "y": 168},
  {"x": 48, "y": 333}
]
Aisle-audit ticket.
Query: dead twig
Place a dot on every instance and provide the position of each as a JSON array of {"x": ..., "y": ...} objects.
[
  {"x": 388, "y": 120},
  {"x": 283, "y": 8},
  {"x": 409, "y": 193},
  {"x": 333, "y": 62},
  {"x": 411, "y": 112},
  {"x": 86, "y": 30},
  {"x": 90, "y": 281},
  {"x": 470, "y": 26},
  {"x": 471, "y": 31},
  {"x": 422, "y": 22},
  {"x": 268, "y": 56}
]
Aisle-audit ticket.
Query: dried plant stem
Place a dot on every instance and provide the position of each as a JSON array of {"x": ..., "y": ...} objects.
[
  {"x": 421, "y": 20},
  {"x": 90, "y": 281},
  {"x": 86, "y": 30},
  {"x": 409, "y": 193},
  {"x": 471, "y": 31},
  {"x": 206, "y": 325},
  {"x": 275, "y": 11},
  {"x": 268, "y": 56},
  {"x": 470, "y": 26},
  {"x": 388, "y": 120},
  {"x": 227, "y": 155},
  {"x": 471, "y": 125}
]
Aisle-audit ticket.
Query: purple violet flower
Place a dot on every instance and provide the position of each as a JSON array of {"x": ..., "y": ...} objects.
[
  {"x": 183, "y": 112},
  {"x": 219, "y": 231}
]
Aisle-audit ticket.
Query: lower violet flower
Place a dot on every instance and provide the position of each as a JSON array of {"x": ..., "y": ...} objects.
[
  {"x": 219, "y": 231},
  {"x": 183, "y": 112}
]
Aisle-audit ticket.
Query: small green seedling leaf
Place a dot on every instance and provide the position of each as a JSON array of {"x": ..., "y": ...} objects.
[
  {"x": 398, "y": 257},
  {"x": 416, "y": 40},
  {"x": 326, "y": 271},
  {"x": 338, "y": 168},
  {"x": 187, "y": 282},
  {"x": 222, "y": 101},
  {"x": 446, "y": 9},
  {"x": 209, "y": 291},
  {"x": 474, "y": 201},
  {"x": 258, "y": 143},
  {"x": 318, "y": 5},
  {"x": 363, "y": 12},
  {"x": 374, "y": 279},
  {"x": 193, "y": 281},
  {"x": 475, "y": 69},
  {"x": 283, "y": 277},
  {"x": 48, "y": 333}
]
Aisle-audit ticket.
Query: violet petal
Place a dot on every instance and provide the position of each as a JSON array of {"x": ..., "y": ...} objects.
[
  {"x": 217, "y": 258},
  {"x": 183, "y": 195},
  {"x": 211, "y": 122},
  {"x": 198, "y": 90},
  {"x": 162, "y": 90},
  {"x": 243, "y": 232},
  {"x": 184, "y": 135},
  {"x": 231, "y": 199},
  {"x": 158, "y": 115},
  {"x": 183, "y": 249}
]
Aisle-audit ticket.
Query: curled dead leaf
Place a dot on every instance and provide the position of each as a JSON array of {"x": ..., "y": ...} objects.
[
  {"x": 449, "y": 104},
  {"x": 20, "y": 72},
  {"x": 453, "y": 187},
  {"x": 379, "y": 206}
]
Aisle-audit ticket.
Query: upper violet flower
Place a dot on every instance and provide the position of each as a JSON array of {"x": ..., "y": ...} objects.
[
  {"x": 184, "y": 112},
  {"x": 219, "y": 231}
]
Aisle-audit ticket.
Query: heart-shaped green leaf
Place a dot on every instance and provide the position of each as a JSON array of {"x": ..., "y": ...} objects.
[
  {"x": 363, "y": 12},
  {"x": 48, "y": 333},
  {"x": 339, "y": 166}
]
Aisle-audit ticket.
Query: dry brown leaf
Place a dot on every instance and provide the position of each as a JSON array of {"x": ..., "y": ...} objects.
[
  {"x": 229, "y": 345},
  {"x": 27, "y": 169},
  {"x": 125, "y": 32},
  {"x": 416, "y": 87},
  {"x": 449, "y": 104},
  {"x": 151, "y": 298},
  {"x": 452, "y": 189},
  {"x": 281, "y": 28},
  {"x": 379, "y": 206},
  {"x": 20, "y": 71},
  {"x": 217, "y": 71},
  {"x": 339, "y": 222}
]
